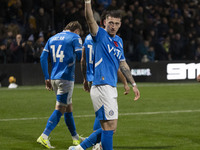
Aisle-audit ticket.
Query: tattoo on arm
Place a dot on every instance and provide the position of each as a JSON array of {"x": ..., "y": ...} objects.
[
  {"x": 121, "y": 77},
  {"x": 126, "y": 71}
]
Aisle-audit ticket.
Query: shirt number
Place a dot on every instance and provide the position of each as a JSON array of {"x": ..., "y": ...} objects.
[
  {"x": 57, "y": 53},
  {"x": 90, "y": 54}
]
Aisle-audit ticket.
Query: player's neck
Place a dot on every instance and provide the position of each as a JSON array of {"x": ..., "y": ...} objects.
[{"x": 112, "y": 35}]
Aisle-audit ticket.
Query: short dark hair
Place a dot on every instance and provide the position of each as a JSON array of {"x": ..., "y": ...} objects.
[
  {"x": 114, "y": 14},
  {"x": 73, "y": 25},
  {"x": 103, "y": 17}
]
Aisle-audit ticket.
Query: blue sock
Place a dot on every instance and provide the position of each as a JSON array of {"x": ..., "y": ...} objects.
[
  {"x": 107, "y": 140},
  {"x": 96, "y": 125},
  {"x": 52, "y": 122},
  {"x": 69, "y": 120},
  {"x": 94, "y": 138}
]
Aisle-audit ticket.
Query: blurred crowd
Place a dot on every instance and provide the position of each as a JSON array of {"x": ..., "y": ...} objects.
[{"x": 152, "y": 30}]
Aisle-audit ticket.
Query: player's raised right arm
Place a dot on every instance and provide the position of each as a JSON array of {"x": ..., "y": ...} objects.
[{"x": 93, "y": 26}]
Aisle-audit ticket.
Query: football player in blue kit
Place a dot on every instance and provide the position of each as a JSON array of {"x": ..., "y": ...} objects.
[
  {"x": 108, "y": 58},
  {"x": 88, "y": 76},
  {"x": 63, "y": 49}
]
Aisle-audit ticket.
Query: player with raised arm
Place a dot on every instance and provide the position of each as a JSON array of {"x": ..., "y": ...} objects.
[
  {"x": 108, "y": 58},
  {"x": 87, "y": 62},
  {"x": 88, "y": 76},
  {"x": 88, "y": 73},
  {"x": 63, "y": 49}
]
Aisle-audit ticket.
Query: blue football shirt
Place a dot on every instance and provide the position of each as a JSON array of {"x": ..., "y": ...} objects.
[
  {"x": 89, "y": 53},
  {"x": 62, "y": 48},
  {"x": 108, "y": 52}
]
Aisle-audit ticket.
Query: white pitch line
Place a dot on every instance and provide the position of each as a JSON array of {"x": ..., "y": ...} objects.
[{"x": 122, "y": 114}]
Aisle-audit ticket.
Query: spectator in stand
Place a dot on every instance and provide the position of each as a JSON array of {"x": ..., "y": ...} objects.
[
  {"x": 8, "y": 40},
  {"x": 104, "y": 3},
  {"x": 151, "y": 53},
  {"x": 2, "y": 32},
  {"x": 14, "y": 28},
  {"x": 43, "y": 22},
  {"x": 142, "y": 51},
  {"x": 60, "y": 11},
  {"x": 17, "y": 49},
  {"x": 3, "y": 54},
  {"x": 29, "y": 50},
  {"x": 177, "y": 47},
  {"x": 31, "y": 27},
  {"x": 175, "y": 10},
  {"x": 38, "y": 48},
  {"x": 140, "y": 14},
  {"x": 146, "y": 51},
  {"x": 126, "y": 34},
  {"x": 197, "y": 53},
  {"x": 178, "y": 26},
  {"x": 190, "y": 47},
  {"x": 15, "y": 13},
  {"x": 163, "y": 27},
  {"x": 166, "y": 45},
  {"x": 160, "y": 52},
  {"x": 197, "y": 28},
  {"x": 27, "y": 7},
  {"x": 3, "y": 11},
  {"x": 113, "y": 5}
]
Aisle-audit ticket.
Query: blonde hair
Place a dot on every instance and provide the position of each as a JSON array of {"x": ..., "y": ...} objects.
[{"x": 73, "y": 25}]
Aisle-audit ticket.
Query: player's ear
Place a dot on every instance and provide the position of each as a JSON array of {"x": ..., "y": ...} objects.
[{"x": 77, "y": 31}]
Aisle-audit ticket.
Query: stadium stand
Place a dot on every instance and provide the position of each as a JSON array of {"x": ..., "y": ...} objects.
[{"x": 152, "y": 30}]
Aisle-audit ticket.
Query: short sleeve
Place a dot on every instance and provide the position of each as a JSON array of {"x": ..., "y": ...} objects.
[{"x": 77, "y": 44}]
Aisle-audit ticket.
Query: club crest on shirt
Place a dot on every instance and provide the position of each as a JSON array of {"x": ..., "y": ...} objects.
[{"x": 111, "y": 112}]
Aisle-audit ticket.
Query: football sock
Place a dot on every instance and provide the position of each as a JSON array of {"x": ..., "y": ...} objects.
[
  {"x": 44, "y": 136},
  {"x": 97, "y": 124},
  {"x": 94, "y": 138},
  {"x": 52, "y": 122},
  {"x": 107, "y": 140},
  {"x": 69, "y": 120}
]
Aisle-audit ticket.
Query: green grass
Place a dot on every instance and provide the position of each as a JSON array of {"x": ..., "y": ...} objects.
[{"x": 167, "y": 117}]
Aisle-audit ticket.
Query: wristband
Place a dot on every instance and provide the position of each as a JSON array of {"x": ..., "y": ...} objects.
[
  {"x": 133, "y": 84},
  {"x": 87, "y": 1}
]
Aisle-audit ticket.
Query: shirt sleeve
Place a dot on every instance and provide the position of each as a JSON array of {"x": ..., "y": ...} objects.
[
  {"x": 99, "y": 34},
  {"x": 77, "y": 43},
  {"x": 44, "y": 61},
  {"x": 122, "y": 51}
]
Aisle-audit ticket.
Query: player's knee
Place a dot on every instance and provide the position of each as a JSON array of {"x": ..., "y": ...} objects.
[
  {"x": 61, "y": 108},
  {"x": 69, "y": 108}
]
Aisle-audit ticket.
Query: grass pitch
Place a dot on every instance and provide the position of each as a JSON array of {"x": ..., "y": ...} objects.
[{"x": 167, "y": 117}]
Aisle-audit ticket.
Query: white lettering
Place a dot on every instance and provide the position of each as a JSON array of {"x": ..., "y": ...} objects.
[
  {"x": 58, "y": 38},
  {"x": 117, "y": 52},
  {"x": 141, "y": 72},
  {"x": 110, "y": 50},
  {"x": 182, "y": 71}
]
